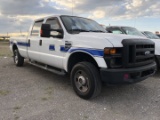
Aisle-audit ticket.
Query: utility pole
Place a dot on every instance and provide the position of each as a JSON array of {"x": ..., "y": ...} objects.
[
  {"x": 21, "y": 32},
  {"x": 72, "y": 7},
  {"x": 7, "y": 35}
]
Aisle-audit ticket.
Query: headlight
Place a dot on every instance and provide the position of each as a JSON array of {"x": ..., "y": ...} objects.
[{"x": 113, "y": 57}]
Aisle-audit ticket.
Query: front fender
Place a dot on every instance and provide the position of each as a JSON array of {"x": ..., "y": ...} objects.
[{"x": 95, "y": 54}]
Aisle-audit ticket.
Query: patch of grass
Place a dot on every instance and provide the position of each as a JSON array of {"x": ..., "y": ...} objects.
[
  {"x": 49, "y": 88},
  {"x": 4, "y": 50},
  {"x": 16, "y": 117},
  {"x": 4, "y": 41},
  {"x": 49, "y": 91},
  {"x": 44, "y": 98},
  {"x": 4, "y": 92},
  {"x": 17, "y": 108},
  {"x": 86, "y": 117},
  {"x": 48, "y": 94}
]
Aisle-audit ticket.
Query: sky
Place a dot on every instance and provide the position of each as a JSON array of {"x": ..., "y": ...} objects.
[{"x": 17, "y": 15}]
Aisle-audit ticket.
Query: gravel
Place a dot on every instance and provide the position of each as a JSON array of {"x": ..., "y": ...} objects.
[{"x": 30, "y": 93}]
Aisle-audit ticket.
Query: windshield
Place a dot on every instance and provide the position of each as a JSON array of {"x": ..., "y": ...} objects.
[
  {"x": 151, "y": 35},
  {"x": 132, "y": 31},
  {"x": 77, "y": 24}
]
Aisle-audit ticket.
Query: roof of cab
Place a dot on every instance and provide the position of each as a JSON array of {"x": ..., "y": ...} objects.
[
  {"x": 46, "y": 17},
  {"x": 57, "y": 16}
]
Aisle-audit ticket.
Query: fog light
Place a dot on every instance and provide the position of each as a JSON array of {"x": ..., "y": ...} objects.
[{"x": 126, "y": 76}]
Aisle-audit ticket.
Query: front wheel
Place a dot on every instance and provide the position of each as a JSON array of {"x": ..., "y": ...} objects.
[
  {"x": 18, "y": 59},
  {"x": 86, "y": 80}
]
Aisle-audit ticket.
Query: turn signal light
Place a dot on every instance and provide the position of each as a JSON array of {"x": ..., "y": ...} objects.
[
  {"x": 109, "y": 51},
  {"x": 112, "y": 51}
]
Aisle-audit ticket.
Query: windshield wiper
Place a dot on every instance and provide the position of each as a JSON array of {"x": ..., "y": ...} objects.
[
  {"x": 83, "y": 30},
  {"x": 97, "y": 31},
  {"x": 80, "y": 30}
]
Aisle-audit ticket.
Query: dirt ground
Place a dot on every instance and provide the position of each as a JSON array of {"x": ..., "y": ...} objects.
[{"x": 30, "y": 93}]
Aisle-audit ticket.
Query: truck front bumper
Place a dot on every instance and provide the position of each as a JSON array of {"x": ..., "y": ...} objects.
[{"x": 127, "y": 75}]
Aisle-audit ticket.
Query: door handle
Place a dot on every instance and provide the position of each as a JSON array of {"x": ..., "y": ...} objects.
[
  {"x": 29, "y": 42},
  {"x": 40, "y": 42}
]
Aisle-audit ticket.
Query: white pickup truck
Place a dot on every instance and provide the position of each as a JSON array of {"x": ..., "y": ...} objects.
[{"x": 81, "y": 47}]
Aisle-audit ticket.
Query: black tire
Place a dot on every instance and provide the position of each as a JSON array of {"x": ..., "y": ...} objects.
[
  {"x": 18, "y": 59},
  {"x": 86, "y": 80}
]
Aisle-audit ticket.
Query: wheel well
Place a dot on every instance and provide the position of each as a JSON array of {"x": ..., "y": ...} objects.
[
  {"x": 79, "y": 57},
  {"x": 14, "y": 47}
]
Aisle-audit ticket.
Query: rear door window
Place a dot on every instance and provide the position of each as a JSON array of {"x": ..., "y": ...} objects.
[
  {"x": 54, "y": 23},
  {"x": 36, "y": 28}
]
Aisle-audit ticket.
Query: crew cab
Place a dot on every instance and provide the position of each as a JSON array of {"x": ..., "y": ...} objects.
[
  {"x": 133, "y": 31},
  {"x": 81, "y": 47}
]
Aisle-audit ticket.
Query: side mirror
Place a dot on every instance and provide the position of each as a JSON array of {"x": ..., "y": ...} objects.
[
  {"x": 57, "y": 33},
  {"x": 58, "y": 30},
  {"x": 45, "y": 30}
]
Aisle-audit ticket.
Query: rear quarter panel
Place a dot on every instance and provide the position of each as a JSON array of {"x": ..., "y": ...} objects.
[{"x": 21, "y": 43}]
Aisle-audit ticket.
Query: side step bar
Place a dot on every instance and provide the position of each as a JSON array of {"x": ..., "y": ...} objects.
[{"x": 48, "y": 68}]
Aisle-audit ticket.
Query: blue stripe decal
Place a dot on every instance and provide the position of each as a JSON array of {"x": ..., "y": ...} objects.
[
  {"x": 63, "y": 49},
  {"x": 23, "y": 44},
  {"x": 94, "y": 52},
  {"x": 52, "y": 48}
]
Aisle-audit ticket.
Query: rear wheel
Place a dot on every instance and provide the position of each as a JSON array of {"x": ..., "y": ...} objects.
[
  {"x": 86, "y": 80},
  {"x": 18, "y": 59}
]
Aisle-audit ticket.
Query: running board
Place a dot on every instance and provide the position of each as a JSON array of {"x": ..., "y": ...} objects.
[{"x": 48, "y": 68}]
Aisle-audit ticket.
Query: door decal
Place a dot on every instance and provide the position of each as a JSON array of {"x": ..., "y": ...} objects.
[{"x": 51, "y": 47}]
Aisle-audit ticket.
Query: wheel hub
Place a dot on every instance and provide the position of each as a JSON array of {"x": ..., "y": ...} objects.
[
  {"x": 16, "y": 57},
  {"x": 82, "y": 80}
]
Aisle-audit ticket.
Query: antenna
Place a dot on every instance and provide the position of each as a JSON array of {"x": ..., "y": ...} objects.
[
  {"x": 73, "y": 2},
  {"x": 72, "y": 7},
  {"x": 135, "y": 22}
]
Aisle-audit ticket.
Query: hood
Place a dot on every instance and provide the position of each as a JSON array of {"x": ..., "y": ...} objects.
[
  {"x": 155, "y": 39},
  {"x": 107, "y": 39}
]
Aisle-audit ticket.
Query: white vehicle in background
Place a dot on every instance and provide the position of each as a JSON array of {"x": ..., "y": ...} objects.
[
  {"x": 155, "y": 39},
  {"x": 133, "y": 31},
  {"x": 150, "y": 35},
  {"x": 158, "y": 35},
  {"x": 82, "y": 48}
]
